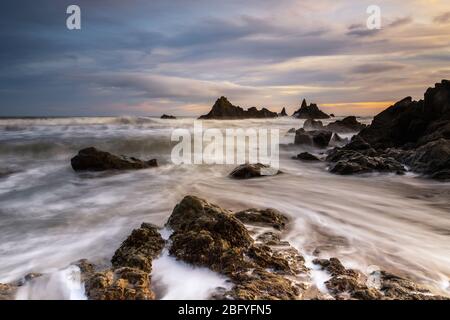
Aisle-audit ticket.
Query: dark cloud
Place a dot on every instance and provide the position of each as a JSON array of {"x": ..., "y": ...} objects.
[
  {"x": 377, "y": 68},
  {"x": 400, "y": 22},
  {"x": 442, "y": 18}
]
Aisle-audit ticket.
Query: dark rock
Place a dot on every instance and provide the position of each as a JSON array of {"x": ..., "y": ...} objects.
[
  {"x": 165, "y": 116},
  {"x": 316, "y": 138},
  {"x": 292, "y": 130},
  {"x": 139, "y": 249},
  {"x": 207, "y": 235},
  {"x": 248, "y": 171},
  {"x": 337, "y": 141},
  {"x": 306, "y": 156},
  {"x": 311, "y": 111},
  {"x": 311, "y": 124},
  {"x": 332, "y": 115},
  {"x": 223, "y": 109},
  {"x": 129, "y": 279},
  {"x": 359, "y": 163},
  {"x": 410, "y": 121},
  {"x": 91, "y": 159},
  {"x": 283, "y": 113},
  {"x": 346, "y": 125},
  {"x": 266, "y": 217}
]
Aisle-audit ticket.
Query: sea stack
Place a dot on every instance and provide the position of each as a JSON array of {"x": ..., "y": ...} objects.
[
  {"x": 311, "y": 111},
  {"x": 224, "y": 110}
]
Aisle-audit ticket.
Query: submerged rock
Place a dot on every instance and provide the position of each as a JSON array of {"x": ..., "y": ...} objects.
[
  {"x": 92, "y": 159},
  {"x": 311, "y": 111},
  {"x": 165, "y": 116},
  {"x": 306, "y": 156},
  {"x": 248, "y": 171},
  {"x": 223, "y": 109}
]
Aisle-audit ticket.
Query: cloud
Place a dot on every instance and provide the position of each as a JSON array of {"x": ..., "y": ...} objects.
[
  {"x": 400, "y": 22},
  {"x": 377, "y": 68},
  {"x": 442, "y": 18}
]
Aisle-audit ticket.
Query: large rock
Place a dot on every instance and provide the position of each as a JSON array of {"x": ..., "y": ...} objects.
[
  {"x": 410, "y": 122},
  {"x": 7, "y": 291},
  {"x": 223, "y": 109},
  {"x": 311, "y": 124},
  {"x": 346, "y": 125},
  {"x": 311, "y": 111},
  {"x": 92, "y": 159},
  {"x": 283, "y": 113},
  {"x": 316, "y": 138},
  {"x": 129, "y": 278},
  {"x": 207, "y": 235},
  {"x": 255, "y": 170},
  {"x": 306, "y": 156}
]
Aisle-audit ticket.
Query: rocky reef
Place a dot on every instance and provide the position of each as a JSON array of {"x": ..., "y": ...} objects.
[
  {"x": 166, "y": 116},
  {"x": 311, "y": 111},
  {"x": 92, "y": 159},
  {"x": 223, "y": 109}
]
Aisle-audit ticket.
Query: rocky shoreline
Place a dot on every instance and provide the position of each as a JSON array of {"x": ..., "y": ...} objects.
[{"x": 259, "y": 265}]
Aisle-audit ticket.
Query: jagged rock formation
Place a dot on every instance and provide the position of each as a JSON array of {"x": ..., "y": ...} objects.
[
  {"x": 92, "y": 159},
  {"x": 311, "y": 111},
  {"x": 283, "y": 113},
  {"x": 346, "y": 125},
  {"x": 224, "y": 110},
  {"x": 414, "y": 133},
  {"x": 315, "y": 138}
]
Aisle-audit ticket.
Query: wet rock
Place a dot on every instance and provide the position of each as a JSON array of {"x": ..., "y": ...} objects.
[
  {"x": 311, "y": 111},
  {"x": 223, "y": 109},
  {"x": 346, "y": 125},
  {"x": 311, "y": 124},
  {"x": 207, "y": 235},
  {"x": 265, "y": 217},
  {"x": 165, "y": 116},
  {"x": 359, "y": 163},
  {"x": 283, "y": 113},
  {"x": 306, "y": 156},
  {"x": 129, "y": 279},
  {"x": 316, "y": 138},
  {"x": 119, "y": 284},
  {"x": 292, "y": 130},
  {"x": 337, "y": 141},
  {"x": 332, "y": 115},
  {"x": 92, "y": 159},
  {"x": 139, "y": 249},
  {"x": 7, "y": 291},
  {"x": 248, "y": 171}
]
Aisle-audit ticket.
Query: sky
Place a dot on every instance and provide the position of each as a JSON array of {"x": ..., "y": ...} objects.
[{"x": 151, "y": 57}]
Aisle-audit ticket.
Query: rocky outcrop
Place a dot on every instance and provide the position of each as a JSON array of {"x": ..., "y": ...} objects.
[
  {"x": 315, "y": 138},
  {"x": 92, "y": 159},
  {"x": 210, "y": 236},
  {"x": 166, "y": 116},
  {"x": 256, "y": 170},
  {"x": 7, "y": 291},
  {"x": 306, "y": 156},
  {"x": 346, "y": 125},
  {"x": 129, "y": 278},
  {"x": 413, "y": 133},
  {"x": 338, "y": 141},
  {"x": 311, "y": 124},
  {"x": 311, "y": 111},
  {"x": 283, "y": 113},
  {"x": 347, "y": 284},
  {"x": 223, "y": 109}
]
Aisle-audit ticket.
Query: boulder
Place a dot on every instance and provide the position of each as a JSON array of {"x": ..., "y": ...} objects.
[
  {"x": 248, "y": 171},
  {"x": 316, "y": 138},
  {"x": 306, "y": 156},
  {"x": 7, "y": 291},
  {"x": 346, "y": 125},
  {"x": 311, "y": 111},
  {"x": 223, "y": 109},
  {"x": 92, "y": 159},
  {"x": 266, "y": 217},
  {"x": 355, "y": 163},
  {"x": 311, "y": 124},
  {"x": 292, "y": 130},
  {"x": 210, "y": 236},
  {"x": 129, "y": 278}
]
